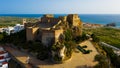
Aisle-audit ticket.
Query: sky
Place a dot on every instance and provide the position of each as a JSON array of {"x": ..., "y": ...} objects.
[{"x": 59, "y": 6}]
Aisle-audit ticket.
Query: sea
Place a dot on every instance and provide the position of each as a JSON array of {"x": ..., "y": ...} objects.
[{"x": 86, "y": 18}]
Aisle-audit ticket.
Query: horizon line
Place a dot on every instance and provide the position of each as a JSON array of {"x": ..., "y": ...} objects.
[{"x": 61, "y": 13}]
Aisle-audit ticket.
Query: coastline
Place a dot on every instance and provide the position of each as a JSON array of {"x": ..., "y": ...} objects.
[{"x": 102, "y": 19}]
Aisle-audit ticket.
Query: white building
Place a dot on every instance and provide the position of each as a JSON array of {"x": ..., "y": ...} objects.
[
  {"x": 4, "y": 58},
  {"x": 14, "y": 29},
  {"x": 8, "y": 30},
  {"x": 18, "y": 28}
]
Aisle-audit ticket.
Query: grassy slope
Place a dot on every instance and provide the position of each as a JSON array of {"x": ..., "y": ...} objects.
[
  {"x": 108, "y": 35},
  {"x": 11, "y": 21}
]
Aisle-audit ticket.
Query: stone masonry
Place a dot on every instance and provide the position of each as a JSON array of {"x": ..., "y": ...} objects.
[{"x": 48, "y": 29}]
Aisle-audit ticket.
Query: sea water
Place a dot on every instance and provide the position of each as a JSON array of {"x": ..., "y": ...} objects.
[{"x": 86, "y": 18}]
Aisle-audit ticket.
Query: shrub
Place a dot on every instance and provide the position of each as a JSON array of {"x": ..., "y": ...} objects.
[
  {"x": 84, "y": 46},
  {"x": 115, "y": 60},
  {"x": 102, "y": 61},
  {"x": 57, "y": 58},
  {"x": 95, "y": 38},
  {"x": 68, "y": 35}
]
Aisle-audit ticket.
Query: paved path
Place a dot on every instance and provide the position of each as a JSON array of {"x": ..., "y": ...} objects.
[
  {"x": 78, "y": 60},
  {"x": 108, "y": 45},
  {"x": 21, "y": 57},
  {"x": 116, "y": 50}
]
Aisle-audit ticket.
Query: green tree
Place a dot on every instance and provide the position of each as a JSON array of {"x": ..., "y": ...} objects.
[
  {"x": 102, "y": 61},
  {"x": 68, "y": 35},
  {"x": 1, "y": 37},
  {"x": 95, "y": 38},
  {"x": 115, "y": 60}
]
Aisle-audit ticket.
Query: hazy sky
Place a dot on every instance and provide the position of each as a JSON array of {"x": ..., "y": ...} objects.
[{"x": 59, "y": 6}]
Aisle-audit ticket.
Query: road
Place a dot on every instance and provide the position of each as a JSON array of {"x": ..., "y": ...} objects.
[
  {"x": 78, "y": 60},
  {"x": 108, "y": 45},
  {"x": 116, "y": 50}
]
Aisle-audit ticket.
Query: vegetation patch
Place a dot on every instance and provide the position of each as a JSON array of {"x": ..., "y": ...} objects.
[
  {"x": 6, "y": 21},
  {"x": 107, "y": 35}
]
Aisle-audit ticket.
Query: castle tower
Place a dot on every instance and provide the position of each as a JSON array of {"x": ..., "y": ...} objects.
[
  {"x": 24, "y": 21},
  {"x": 73, "y": 20},
  {"x": 63, "y": 18},
  {"x": 49, "y": 15},
  {"x": 75, "y": 23},
  {"x": 31, "y": 33}
]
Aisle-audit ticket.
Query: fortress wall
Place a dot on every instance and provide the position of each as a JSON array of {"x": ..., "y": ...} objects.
[
  {"x": 74, "y": 19},
  {"x": 44, "y": 19},
  {"x": 49, "y": 15},
  {"x": 28, "y": 24},
  {"x": 49, "y": 20},
  {"x": 47, "y": 37},
  {"x": 50, "y": 36},
  {"x": 24, "y": 21},
  {"x": 57, "y": 34},
  {"x": 31, "y": 33},
  {"x": 52, "y": 20}
]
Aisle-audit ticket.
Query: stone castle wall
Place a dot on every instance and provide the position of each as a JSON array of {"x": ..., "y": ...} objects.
[
  {"x": 48, "y": 36},
  {"x": 24, "y": 21},
  {"x": 73, "y": 20},
  {"x": 49, "y": 15},
  {"x": 57, "y": 34},
  {"x": 51, "y": 36},
  {"x": 49, "y": 20},
  {"x": 63, "y": 18},
  {"x": 31, "y": 33},
  {"x": 29, "y": 24}
]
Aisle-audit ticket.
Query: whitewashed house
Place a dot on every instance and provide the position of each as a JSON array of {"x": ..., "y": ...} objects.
[
  {"x": 18, "y": 28},
  {"x": 14, "y": 29},
  {"x": 8, "y": 30},
  {"x": 4, "y": 58}
]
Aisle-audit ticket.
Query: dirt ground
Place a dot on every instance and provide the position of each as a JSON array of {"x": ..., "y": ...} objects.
[{"x": 78, "y": 59}]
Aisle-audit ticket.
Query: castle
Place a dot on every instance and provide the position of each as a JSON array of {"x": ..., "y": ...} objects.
[{"x": 49, "y": 29}]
